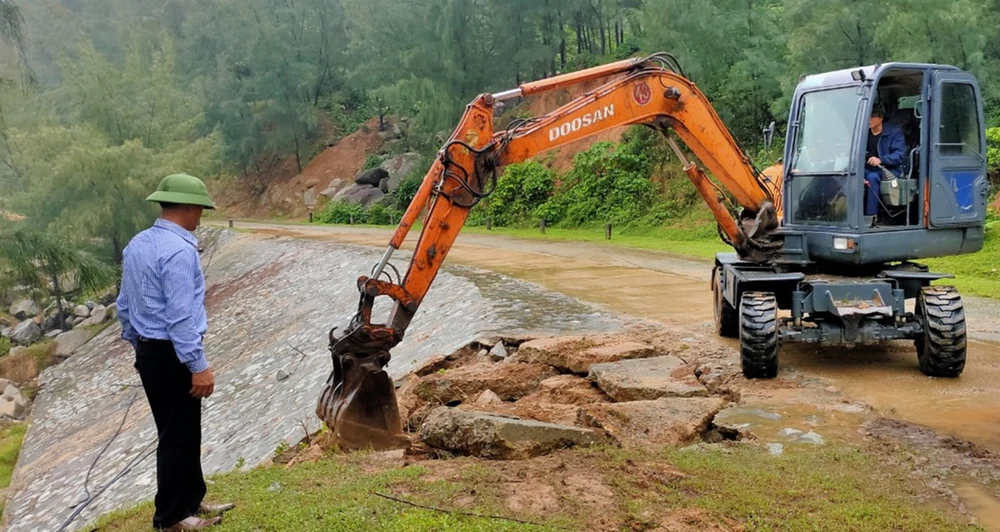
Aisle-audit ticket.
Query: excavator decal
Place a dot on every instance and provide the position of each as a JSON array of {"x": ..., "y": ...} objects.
[{"x": 584, "y": 121}]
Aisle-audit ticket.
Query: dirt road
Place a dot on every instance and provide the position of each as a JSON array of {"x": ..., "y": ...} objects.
[{"x": 660, "y": 287}]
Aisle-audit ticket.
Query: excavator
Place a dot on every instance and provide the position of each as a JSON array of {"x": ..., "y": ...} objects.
[{"x": 809, "y": 264}]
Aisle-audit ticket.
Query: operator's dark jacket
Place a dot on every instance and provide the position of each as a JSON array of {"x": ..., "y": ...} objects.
[{"x": 892, "y": 149}]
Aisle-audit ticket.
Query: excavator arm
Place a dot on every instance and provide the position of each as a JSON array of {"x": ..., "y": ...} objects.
[{"x": 359, "y": 402}]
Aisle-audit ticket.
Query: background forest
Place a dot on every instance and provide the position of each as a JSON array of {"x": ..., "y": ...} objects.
[{"x": 101, "y": 98}]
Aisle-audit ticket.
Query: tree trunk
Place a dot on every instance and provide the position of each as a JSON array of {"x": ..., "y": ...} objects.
[
  {"x": 579, "y": 35},
  {"x": 59, "y": 297},
  {"x": 604, "y": 43},
  {"x": 298, "y": 156}
]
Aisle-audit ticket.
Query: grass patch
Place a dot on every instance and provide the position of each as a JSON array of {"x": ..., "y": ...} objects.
[
  {"x": 830, "y": 488},
  {"x": 11, "y": 437}
]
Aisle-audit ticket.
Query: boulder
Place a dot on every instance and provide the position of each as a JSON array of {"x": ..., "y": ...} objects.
[
  {"x": 81, "y": 311},
  {"x": 26, "y": 333},
  {"x": 371, "y": 177},
  {"x": 51, "y": 323},
  {"x": 4, "y": 383},
  {"x": 496, "y": 437},
  {"x": 508, "y": 381},
  {"x": 11, "y": 392},
  {"x": 498, "y": 352},
  {"x": 577, "y": 354},
  {"x": 90, "y": 304},
  {"x": 68, "y": 342},
  {"x": 5, "y": 332},
  {"x": 69, "y": 282},
  {"x": 487, "y": 398},
  {"x": 312, "y": 183},
  {"x": 399, "y": 167},
  {"x": 653, "y": 424},
  {"x": 333, "y": 188},
  {"x": 25, "y": 309},
  {"x": 97, "y": 316},
  {"x": 53, "y": 333},
  {"x": 361, "y": 194},
  {"x": 10, "y": 409},
  {"x": 646, "y": 379}
]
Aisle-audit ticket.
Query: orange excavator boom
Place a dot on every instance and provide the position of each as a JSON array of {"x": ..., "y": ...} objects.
[{"x": 359, "y": 402}]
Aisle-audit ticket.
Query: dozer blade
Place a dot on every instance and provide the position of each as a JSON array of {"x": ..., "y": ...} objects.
[{"x": 358, "y": 402}]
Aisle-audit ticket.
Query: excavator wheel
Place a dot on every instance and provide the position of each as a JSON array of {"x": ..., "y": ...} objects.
[
  {"x": 727, "y": 321},
  {"x": 759, "y": 335},
  {"x": 941, "y": 347}
]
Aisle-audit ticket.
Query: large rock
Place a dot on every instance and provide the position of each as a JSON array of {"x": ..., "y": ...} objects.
[
  {"x": 360, "y": 194},
  {"x": 333, "y": 188},
  {"x": 68, "y": 342},
  {"x": 53, "y": 333},
  {"x": 577, "y": 354},
  {"x": 9, "y": 408},
  {"x": 5, "y": 332},
  {"x": 81, "y": 311},
  {"x": 496, "y": 437},
  {"x": 653, "y": 424},
  {"x": 647, "y": 379},
  {"x": 26, "y": 333},
  {"x": 508, "y": 381},
  {"x": 25, "y": 309},
  {"x": 371, "y": 177},
  {"x": 11, "y": 392},
  {"x": 557, "y": 400},
  {"x": 97, "y": 316},
  {"x": 399, "y": 167}
]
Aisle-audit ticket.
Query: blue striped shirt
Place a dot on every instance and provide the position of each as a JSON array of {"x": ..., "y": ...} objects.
[{"x": 163, "y": 292}]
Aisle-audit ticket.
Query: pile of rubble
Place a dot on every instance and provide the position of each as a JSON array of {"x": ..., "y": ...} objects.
[
  {"x": 33, "y": 325},
  {"x": 516, "y": 398}
]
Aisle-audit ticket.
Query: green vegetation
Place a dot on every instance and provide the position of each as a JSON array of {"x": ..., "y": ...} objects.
[
  {"x": 11, "y": 436},
  {"x": 95, "y": 108},
  {"x": 833, "y": 488}
]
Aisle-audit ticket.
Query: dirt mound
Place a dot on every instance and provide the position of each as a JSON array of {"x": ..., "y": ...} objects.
[
  {"x": 561, "y": 159},
  {"x": 283, "y": 186}
]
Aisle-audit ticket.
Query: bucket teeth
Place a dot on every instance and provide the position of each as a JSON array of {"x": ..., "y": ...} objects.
[{"x": 359, "y": 404}]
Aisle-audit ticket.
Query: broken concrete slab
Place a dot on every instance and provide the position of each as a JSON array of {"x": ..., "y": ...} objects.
[
  {"x": 577, "y": 353},
  {"x": 646, "y": 379},
  {"x": 665, "y": 421},
  {"x": 568, "y": 389},
  {"x": 508, "y": 381},
  {"x": 496, "y": 437}
]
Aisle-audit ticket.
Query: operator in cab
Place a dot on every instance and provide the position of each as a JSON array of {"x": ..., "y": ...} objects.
[{"x": 886, "y": 148}]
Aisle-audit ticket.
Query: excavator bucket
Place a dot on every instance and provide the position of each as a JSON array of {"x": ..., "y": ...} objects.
[{"x": 358, "y": 402}]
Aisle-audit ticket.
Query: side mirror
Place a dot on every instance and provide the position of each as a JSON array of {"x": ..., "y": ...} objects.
[{"x": 768, "y": 135}]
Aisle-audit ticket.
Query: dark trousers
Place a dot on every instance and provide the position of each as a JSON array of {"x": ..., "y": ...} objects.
[
  {"x": 873, "y": 178},
  {"x": 180, "y": 486}
]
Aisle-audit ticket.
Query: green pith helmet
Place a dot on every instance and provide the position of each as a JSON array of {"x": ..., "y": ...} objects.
[{"x": 182, "y": 189}]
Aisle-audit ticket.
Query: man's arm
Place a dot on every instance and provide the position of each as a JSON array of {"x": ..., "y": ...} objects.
[
  {"x": 129, "y": 334},
  {"x": 178, "y": 274},
  {"x": 897, "y": 150}
]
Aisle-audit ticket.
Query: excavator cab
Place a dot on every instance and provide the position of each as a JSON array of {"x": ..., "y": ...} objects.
[
  {"x": 931, "y": 201},
  {"x": 844, "y": 271}
]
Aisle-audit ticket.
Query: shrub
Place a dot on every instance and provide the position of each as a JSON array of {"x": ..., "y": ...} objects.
[
  {"x": 379, "y": 214},
  {"x": 521, "y": 189},
  {"x": 340, "y": 213}
]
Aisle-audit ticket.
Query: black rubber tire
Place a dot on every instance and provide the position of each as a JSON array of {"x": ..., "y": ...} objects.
[
  {"x": 941, "y": 348},
  {"x": 759, "y": 335},
  {"x": 727, "y": 321}
]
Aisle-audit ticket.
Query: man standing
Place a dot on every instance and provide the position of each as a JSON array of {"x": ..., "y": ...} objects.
[
  {"x": 162, "y": 311},
  {"x": 886, "y": 147}
]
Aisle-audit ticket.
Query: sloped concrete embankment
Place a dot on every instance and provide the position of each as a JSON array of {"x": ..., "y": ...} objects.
[{"x": 271, "y": 302}]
